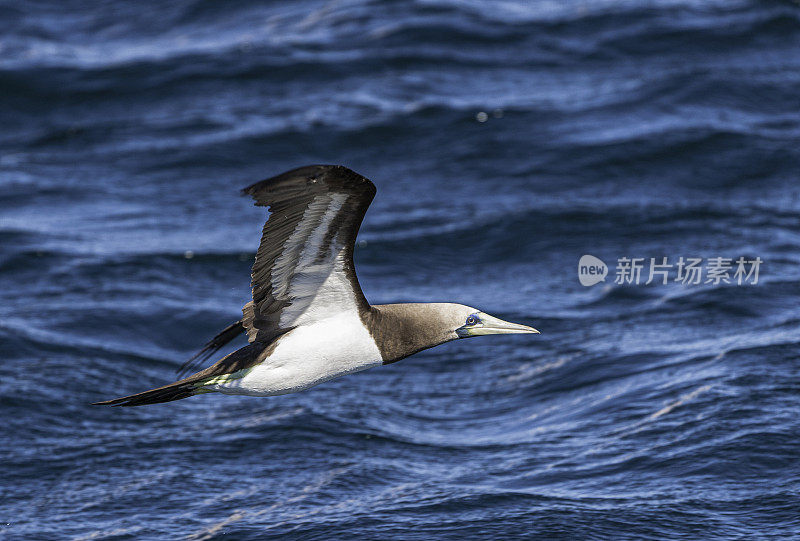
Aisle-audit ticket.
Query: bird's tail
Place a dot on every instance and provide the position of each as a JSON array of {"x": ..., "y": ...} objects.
[
  {"x": 167, "y": 393},
  {"x": 233, "y": 366}
]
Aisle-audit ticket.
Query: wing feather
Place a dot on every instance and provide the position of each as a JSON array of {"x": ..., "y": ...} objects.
[{"x": 304, "y": 265}]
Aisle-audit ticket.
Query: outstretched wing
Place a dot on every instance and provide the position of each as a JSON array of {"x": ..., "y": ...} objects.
[{"x": 304, "y": 266}]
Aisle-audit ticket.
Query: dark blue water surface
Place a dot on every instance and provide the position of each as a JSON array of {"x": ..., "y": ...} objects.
[{"x": 506, "y": 139}]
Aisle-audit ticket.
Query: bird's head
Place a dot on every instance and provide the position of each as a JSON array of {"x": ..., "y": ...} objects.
[
  {"x": 407, "y": 328},
  {"x": 467, "y": 322}
]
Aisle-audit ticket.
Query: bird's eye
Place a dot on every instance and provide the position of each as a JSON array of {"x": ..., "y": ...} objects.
[{"x": 472, "y": 320}]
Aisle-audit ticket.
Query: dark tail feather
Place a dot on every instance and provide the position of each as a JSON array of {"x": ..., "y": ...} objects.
[
  {"x": 223, "y": 337},
  {"x": 241, "y": 359},
  {"x": 167, "y": 393}
]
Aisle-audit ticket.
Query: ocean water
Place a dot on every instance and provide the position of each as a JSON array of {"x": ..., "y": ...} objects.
[{"x": 507, "y": 140}]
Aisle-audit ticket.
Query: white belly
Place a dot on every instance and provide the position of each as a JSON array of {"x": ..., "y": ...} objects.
[{"x": 308, "y": 355}]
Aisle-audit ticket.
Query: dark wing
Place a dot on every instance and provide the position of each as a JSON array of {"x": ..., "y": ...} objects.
[
  {"x": 304, "y": 266},
  {"x": 210, "y": 348}
]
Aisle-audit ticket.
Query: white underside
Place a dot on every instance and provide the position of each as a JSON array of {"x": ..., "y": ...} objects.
[{"x": 309, "y": 355}]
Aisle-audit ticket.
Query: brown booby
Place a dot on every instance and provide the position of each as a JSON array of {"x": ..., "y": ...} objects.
[{"x": 308, "y": 321}]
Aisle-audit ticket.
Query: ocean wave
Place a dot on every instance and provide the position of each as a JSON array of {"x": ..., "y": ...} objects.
[{"x": 506, "y": 139}]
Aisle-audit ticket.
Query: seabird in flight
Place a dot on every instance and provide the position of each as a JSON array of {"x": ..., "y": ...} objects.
[{"x": 308, "y": 321}]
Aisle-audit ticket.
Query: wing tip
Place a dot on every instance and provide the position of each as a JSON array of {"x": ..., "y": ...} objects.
[
  {"x": 112, "y": 402},
  {"x": 331, "y": 173},
  {"x": 210, "y": 348}
]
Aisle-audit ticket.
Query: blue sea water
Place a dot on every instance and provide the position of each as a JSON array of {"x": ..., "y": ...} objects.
[{"x": 506, "y": 139}]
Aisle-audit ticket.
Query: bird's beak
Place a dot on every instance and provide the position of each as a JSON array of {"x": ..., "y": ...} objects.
[{"x": 492, "y": 325}]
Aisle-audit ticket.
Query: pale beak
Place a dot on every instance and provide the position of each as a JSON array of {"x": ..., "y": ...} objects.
[{"x": 492, "y": 325}]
